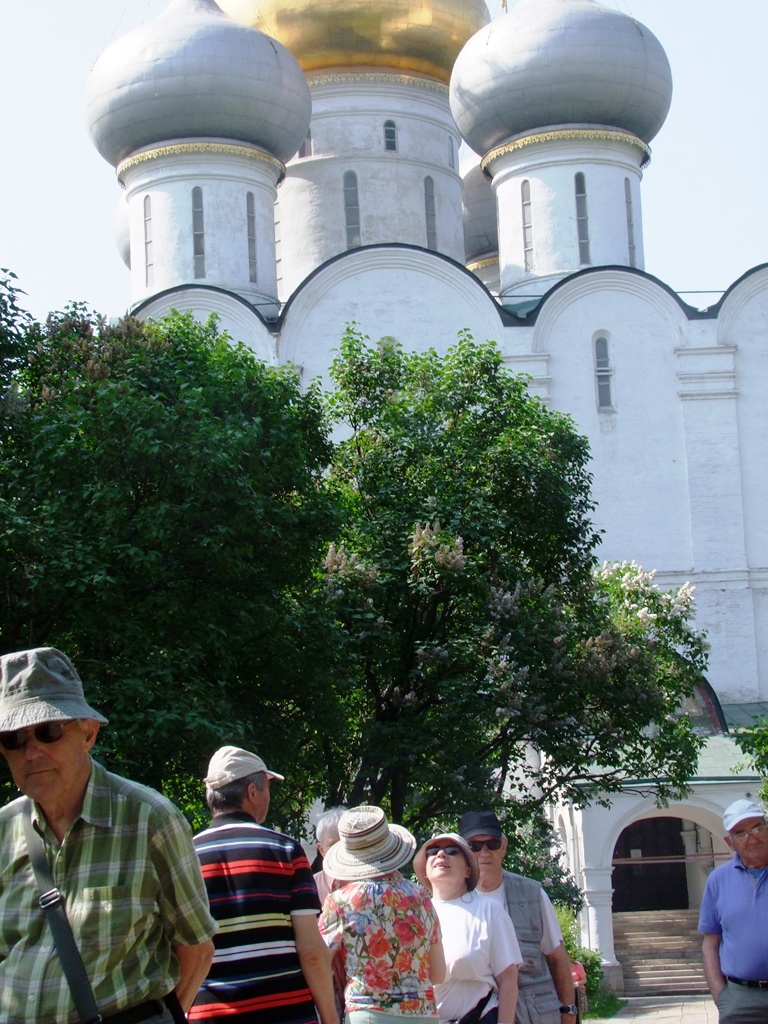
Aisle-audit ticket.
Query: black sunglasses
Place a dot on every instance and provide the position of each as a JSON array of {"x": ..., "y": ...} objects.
[
  {"x": 476, "y": 845},
  {"x": 451, "y": 851},
  {"x": 48, "y": 732}
]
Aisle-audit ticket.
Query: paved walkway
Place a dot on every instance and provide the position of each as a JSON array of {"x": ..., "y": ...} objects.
[{"x": 666, "y": 1010}]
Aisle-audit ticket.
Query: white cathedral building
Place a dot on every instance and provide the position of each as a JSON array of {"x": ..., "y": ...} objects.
[{"x": 293, "y": 165}]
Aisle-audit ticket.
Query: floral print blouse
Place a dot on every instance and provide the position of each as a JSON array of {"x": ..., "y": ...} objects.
[{"x": 383, "y": 929}]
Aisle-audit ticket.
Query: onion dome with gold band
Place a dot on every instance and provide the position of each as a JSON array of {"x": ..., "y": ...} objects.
[
  {"x": 560, "y": 62},
  {"x": 195, "y": 72},
  {"x": 421, "y": 36}
]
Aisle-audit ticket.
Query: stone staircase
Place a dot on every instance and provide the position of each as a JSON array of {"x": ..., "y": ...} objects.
[{"x": 660, "y": 952}]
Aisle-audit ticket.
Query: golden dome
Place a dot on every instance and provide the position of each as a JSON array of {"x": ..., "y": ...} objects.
[{"x": 424, "y": 36}]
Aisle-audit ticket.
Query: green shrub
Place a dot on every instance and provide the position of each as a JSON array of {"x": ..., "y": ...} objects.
[{"x": 591, "y": 959}]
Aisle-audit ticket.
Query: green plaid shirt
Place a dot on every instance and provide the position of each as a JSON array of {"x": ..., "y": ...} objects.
[{"x": 132, "y": 888}]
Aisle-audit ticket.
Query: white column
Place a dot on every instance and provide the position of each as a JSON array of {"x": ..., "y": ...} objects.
[{"x": 598, "y": 891}]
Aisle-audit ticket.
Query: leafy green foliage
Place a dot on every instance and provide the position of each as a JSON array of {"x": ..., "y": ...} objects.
[
  {"x": 161, "y": 514},
  {"x": 590, "y": 959},
  {"x": 753, "y": 741},
  {"x": 535, "y": 851},
  {"x": 485, "y": 652},
  {"x": 422, "y": 625}
]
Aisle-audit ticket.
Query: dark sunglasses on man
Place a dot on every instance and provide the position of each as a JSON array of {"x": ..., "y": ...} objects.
[
  {"x": 476, "y": 845},
  {"x": 47, "y": 732}
]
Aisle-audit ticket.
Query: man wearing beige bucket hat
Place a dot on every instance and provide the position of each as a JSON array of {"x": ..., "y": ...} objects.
[{"x": 120, "y": 854}]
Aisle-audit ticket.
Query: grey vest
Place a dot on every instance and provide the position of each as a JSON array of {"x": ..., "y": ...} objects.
[{"x": 537, "y": 1003}]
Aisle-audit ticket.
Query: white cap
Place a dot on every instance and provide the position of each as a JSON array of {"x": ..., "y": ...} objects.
[
  {"x": 231, "y": 763},
  {"x": 740, "y": 810}
]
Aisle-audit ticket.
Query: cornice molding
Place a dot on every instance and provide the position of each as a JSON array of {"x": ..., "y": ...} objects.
[
  {"x": 568, "y": 135},
  {"x": 344, "y": 78},
  {"x": 194, "y": 149},
  {"x": 491, "y": 261}
]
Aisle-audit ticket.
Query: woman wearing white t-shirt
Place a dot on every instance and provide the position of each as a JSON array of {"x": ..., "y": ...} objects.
[{"x": 481, "y": 950}]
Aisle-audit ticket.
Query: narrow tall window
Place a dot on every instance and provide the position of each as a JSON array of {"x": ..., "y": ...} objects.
[
  {"x": 305, "y": 149},
  {"x": 630, "y": 222},
  {"x": 451, "y": 153},
  {"x": 149, "y": 267},
  {"x": 198, "y": 232},
  {"x": 390, "y": 136},
  {"x": 250, "y": 217},
  {"x": 582, "y": 218},
  {"x": 429, "y": 210},
  {"x": 603, "y": 373},
  {"x": 525, "y": 199},
  {"x": 278, "y": 244},
  {"x": 351, "y": 210}
]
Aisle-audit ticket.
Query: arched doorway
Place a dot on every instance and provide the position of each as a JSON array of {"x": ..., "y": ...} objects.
[{"x": 649, "y": 871}]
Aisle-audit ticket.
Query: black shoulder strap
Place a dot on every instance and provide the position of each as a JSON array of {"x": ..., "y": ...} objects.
[{"x": 52, "y": 904}]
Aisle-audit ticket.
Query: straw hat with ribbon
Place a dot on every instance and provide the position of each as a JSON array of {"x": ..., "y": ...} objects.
[{"x": 368, "y": 846}]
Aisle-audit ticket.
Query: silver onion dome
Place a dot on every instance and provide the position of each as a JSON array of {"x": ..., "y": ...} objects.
[
  {"x": 195, "y": 72},
  {"x": 478, "y": 203},
  {"x": 559, "y": 62}
]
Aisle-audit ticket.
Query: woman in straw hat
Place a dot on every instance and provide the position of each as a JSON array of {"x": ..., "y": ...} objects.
[
  {"x": 382, "y": 925},
  {"x": 481, "y": 950}
]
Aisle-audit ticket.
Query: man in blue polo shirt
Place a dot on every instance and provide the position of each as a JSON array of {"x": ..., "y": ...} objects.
[{"x": 734, "y": 920}]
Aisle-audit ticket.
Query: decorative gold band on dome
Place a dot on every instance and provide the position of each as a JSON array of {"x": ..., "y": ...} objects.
[
  {"x": 342, "y": 78},
  {"x": 588, "y": 134},
  {"x": 191, "y": 148},
  {"x": 491, "y": 261}
]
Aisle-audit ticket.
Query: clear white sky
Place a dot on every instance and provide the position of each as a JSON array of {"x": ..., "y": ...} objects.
[{"x": 705, "y": 202}]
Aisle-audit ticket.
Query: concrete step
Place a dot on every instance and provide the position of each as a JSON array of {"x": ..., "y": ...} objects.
[{"x": 660, "y": 952}]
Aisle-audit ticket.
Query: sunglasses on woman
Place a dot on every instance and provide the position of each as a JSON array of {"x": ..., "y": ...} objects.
[
  {"x": 48, "y": 732},
  {"x": 476, "y": 845},
  {"x": 451, "y": 851}
]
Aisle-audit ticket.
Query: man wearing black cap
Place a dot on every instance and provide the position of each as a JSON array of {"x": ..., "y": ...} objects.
[{"x": 546, "y": 989}]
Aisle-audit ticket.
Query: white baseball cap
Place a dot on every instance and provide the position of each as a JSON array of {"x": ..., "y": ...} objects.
[
  {"x": 740, "y": 810},
  {"x": 231, "y": 763}
]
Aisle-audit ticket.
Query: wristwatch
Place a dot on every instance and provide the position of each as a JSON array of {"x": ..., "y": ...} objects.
[{"x": 571, "y": 1008}]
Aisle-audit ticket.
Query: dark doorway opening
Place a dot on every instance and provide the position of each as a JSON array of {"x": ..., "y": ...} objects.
[{"x": 660, "y": 885}]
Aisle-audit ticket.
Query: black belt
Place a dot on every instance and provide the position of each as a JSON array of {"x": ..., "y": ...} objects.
[
  {"x": 748, "y": 984},
  {"x": 134, "y": 1014}
]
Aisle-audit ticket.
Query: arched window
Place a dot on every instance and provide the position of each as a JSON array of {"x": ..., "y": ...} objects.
[
  {"x": 451, "y": 153},
  {"x": 429, "y": 210},
  {"x": 198, "y": 232},
  {"x": 351, "y": 210},
  {"x": 250, "y": 218},
  {"x": 630, "y": 222},
  {"x": 603, "y": 373},
  {"x": 149, "y": 268},
  {"x": 525, "y": 200},
  {"x": 305, "y": 149},
  {"x": 582, "y": 219},
  {"x": 390, "y": 136}
]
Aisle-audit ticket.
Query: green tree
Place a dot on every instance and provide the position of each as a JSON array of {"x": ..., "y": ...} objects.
[
  {"x": 161, "y": 514},
  {"x": 753, "y": 741},
  {"x": 484, "y": 649}
]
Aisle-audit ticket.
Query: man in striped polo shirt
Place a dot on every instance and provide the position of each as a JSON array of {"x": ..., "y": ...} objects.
[{"x": 270, "y": 964}]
